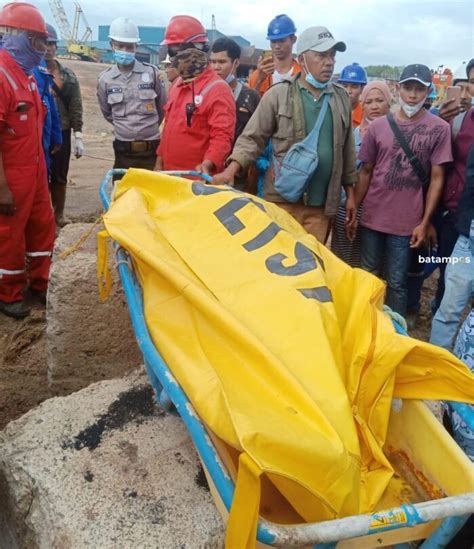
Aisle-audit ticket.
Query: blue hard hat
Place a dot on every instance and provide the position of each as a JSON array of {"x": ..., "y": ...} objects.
[
  {"x": 52, "y": 34},
  {"x": 280, "y": 27},
  {"x": 353, "y": 74}
]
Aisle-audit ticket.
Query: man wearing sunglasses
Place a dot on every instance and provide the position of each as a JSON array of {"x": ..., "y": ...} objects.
[
  {"x": 27, "y": 228},
  {"x": 200, "y": 114}
]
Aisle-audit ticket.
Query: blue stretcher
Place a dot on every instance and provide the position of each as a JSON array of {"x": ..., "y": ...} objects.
[{"x": 389, "y": 527}]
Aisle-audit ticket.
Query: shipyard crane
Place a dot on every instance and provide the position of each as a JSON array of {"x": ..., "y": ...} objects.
[{"x": 74, "y": 44}]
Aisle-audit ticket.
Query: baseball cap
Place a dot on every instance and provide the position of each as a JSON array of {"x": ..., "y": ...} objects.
[
  {"x": 317, "y": 39},
  {"x": 420, "y": 73}
]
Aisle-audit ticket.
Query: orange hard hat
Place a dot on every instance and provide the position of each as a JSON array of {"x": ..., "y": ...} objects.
[
  {"x": 24, "y": 16},
  {"x": 184, "y": 29}
]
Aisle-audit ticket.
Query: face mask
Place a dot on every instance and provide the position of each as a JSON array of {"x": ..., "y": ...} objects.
[
  {"x": 123, "y": 57},
  {"x": 472, "y": 101},
  {"x": 191, "y": 63},
  {"x": 312, "y": 80},
  {"x": 20, "y": 48},
  {"x": 411, "y": 110},
  {"x": 230, "y": 77}
]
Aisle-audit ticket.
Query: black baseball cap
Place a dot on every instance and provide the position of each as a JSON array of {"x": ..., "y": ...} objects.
[{"x": 420, "y": 73}]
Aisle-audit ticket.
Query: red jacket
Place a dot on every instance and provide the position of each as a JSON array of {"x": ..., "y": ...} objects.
[
  {"x": 21, "y": 116},
  {"x": 211, "y": 133}
]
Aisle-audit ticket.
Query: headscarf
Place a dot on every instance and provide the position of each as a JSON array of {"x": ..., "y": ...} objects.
[{"x": 383, "y": 88}]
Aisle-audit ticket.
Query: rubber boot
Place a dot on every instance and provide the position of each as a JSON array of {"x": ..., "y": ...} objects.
[
  {"x": 17, "y": 309},
  {"x": 58, "y": 197}
]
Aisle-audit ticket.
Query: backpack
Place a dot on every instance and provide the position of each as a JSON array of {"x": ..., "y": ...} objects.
[{"x": 293, "y": 174}]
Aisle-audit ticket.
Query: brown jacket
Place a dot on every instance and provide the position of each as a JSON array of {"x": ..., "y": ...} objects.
[{"x": 279, "y": 117}]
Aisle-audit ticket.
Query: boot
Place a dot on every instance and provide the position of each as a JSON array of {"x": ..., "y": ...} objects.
[
  {"x": 58, "y": 198},
  {"x": 17, "y": 309}
]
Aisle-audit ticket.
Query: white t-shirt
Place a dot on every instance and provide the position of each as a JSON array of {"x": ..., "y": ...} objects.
[{"x": 279, "y": 77}]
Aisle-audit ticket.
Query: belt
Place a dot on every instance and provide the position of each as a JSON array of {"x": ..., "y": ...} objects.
[{"x": 136, "y": 146}]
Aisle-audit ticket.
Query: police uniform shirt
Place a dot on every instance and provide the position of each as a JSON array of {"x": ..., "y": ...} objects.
[{"x": 132, "y": 101}]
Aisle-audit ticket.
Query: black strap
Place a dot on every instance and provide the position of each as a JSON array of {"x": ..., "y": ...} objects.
[
  {"x": 412, "y": 158},
  {"x": 61, "y": 95}
]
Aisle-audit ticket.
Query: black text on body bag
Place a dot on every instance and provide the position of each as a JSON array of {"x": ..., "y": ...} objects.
[
  {"x": 293, "y": 175},
  {"x": 413, "y": 159}
]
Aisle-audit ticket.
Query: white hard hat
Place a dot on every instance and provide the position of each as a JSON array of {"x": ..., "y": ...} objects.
[
  {"x": 460, "y": 74},
  {"x": 124, "y": 29}
]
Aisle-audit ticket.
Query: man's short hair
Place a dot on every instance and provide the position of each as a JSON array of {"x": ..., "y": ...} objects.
[
  {"x": 228, "y": 45},
  {"x": 469, "y": 67}
]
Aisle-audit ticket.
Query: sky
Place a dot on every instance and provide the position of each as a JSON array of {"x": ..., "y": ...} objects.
[{"x": 376, "y": 31}]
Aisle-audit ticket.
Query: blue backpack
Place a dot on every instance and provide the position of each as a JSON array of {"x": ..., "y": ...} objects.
[{"x": 293, "y": 174}]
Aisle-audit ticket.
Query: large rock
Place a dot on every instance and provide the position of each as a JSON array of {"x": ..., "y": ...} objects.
[
  {"x": 87, "y": 340},
  {"x": 103, "y": 468}
]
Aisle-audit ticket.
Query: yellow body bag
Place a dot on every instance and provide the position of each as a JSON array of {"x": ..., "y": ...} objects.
[{"x": 283, "y": 349}]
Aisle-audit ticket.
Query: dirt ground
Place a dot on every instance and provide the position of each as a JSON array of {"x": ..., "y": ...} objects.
[{"x": 23, "y": 370}]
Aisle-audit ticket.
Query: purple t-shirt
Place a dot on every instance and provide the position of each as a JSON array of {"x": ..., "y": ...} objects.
[{"x": 394, "y": 201}]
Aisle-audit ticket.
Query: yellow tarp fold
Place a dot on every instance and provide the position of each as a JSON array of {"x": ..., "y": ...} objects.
[{"x": 283, "y": 349}]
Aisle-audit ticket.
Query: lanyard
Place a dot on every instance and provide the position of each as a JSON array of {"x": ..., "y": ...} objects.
[{"x": 237, "y": 90}]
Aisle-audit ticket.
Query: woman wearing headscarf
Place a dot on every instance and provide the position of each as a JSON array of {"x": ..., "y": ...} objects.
[{"x": 375, "y": 100}]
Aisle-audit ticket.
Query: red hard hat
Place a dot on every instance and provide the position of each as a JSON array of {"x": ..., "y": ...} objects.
[
  {"x": 184, "y": 29},
  {"x": 21, "y": 15}
]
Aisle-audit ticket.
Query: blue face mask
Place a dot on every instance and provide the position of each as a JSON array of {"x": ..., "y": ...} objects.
[
  {"x": 20, "y": 48},
  {"x": 312, "y": 80},
  {"x": 123, "y": 57},
  {"x": 315, "y": 83}
]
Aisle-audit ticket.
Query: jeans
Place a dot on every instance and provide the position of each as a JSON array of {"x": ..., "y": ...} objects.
[
  {"x": 418, "y": 272},
  {"x": 447, "y": 232},
  {"x": 392, "y": 253},
  {"x": 459, "y": 288}
]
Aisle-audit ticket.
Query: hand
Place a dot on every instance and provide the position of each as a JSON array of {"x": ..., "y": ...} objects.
[
  {"x": 431, "y": 236},
  {"x": 265, "y": 67},
  {"x": 351, "y": 212},
  {"x": 206, "y": 166},
  {"x": 447, "y": 110},
  {"x": 78, "y": 145},
  {"x": 351, "y": 231},
  {"x": 7, "y": 204},
  {"x": 418, "y": 236},
  {"x": 56, "y": 148},
  {"x": 158, "y": 164},
  {"x": 227, "y": 176}
]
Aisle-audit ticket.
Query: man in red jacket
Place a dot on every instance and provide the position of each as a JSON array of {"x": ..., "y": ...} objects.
[
  {"x": 27, "y": 227},
  {"x": 200, "y": 113}
]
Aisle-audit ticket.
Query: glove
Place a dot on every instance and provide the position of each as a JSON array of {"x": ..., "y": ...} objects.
[{"x": 78, "y": 145}]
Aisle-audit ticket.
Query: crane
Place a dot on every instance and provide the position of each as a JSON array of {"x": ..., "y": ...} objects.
[{"x": 75, "y": 45}]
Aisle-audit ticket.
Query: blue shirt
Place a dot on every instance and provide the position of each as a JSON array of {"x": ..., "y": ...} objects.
[{"x": 52, "y": 134}]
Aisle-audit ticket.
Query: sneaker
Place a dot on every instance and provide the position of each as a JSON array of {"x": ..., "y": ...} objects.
[{"x": 17, "y": 309}]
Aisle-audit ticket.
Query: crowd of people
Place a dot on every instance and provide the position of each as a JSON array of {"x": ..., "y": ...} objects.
[{"x": 388, "y": 186}]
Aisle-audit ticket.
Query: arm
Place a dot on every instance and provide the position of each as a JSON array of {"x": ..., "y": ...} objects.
[
  {"x": 253, "y": 140},
  {"x": 432, "y": 198},
  {"x": 102, "y": 99},
  {"x": 221, "y": 121},
  {"x": 349, "y": 175},
  {"x": 161, "y": 95},
  {"x": 365, "y": 177},
  {"x": 265, "y": 68},
  {"x": 75, "y": 106}
]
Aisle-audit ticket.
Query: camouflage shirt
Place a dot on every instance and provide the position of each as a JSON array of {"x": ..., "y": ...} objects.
[{"x": 69, "y": 100}]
